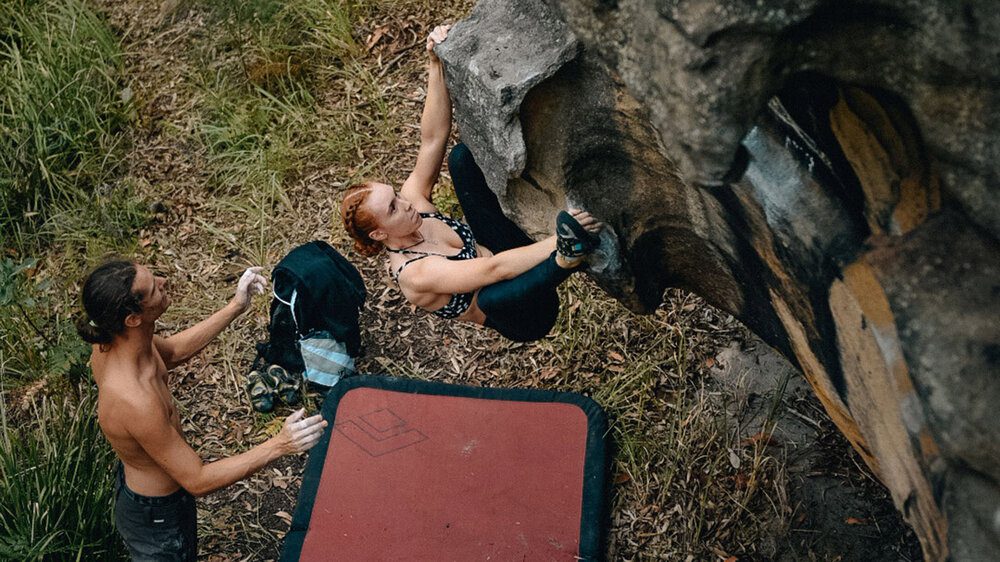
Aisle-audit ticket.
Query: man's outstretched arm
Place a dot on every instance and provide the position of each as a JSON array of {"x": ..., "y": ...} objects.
[
  {"x": 180, "y": 347},
  {"x": 165, "y": 445}
]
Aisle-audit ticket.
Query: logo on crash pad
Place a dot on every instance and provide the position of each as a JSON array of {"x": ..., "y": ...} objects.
[{"x": 380, "y": 432}]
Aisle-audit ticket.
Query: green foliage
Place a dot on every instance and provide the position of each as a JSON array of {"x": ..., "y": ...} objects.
[
  {"x": 259, "y": 12},
  {"x": 61, "y": 110},
  {"x": 290, "y": 97},
  {"x": 56, "y": 484},
  {"x": 280, "y": 43},
  {"x": 45, "y": 343},
  {"x": 262, "y": 121},
  {"x": 104, "y": 223},
  {"x": 306, "y": 28},
  {"x": 251, "y": 140}
]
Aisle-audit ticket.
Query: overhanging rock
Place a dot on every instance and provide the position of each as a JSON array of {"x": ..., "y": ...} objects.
[{"x": 825, "y": 172}]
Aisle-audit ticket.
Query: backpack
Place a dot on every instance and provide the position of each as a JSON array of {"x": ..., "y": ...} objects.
[{"x": 313, "y": 326}]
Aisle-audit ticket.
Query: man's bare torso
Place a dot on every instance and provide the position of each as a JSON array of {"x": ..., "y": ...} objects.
[{"x": 129, "y": 386}]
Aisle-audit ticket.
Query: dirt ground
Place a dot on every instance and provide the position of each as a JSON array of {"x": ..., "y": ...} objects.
[
  {"x": 812, "y": 501},
  {"x": 840, "y": 512}
]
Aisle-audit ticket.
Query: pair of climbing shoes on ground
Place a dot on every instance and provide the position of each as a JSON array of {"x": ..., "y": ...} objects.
[{"x": 266, "y": 386}]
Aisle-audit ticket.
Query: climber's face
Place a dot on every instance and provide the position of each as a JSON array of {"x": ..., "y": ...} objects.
[{"x": 395, "y": 215}]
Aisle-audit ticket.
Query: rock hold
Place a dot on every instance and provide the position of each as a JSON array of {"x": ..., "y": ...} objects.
[{"x": 522, "y": 48}]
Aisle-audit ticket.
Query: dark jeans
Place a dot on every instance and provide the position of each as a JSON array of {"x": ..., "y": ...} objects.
[
  {"x": 156, "y": 528},
  {"x": 523, "y": 308}
]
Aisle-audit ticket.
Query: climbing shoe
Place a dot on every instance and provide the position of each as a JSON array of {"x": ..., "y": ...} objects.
[
  {"x": 262, "y": 389},
  {"x": 289, "y": 384},
  {"x": 572, "y": 240}
]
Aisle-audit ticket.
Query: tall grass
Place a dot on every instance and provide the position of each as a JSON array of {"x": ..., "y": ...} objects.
[
  {"x": 62, "y": 111},
  {"x": 63, "y": 115},
  {"x": 263, "y": 118},
  {"x": 266, "y": 116},
  {"x": 56, "y": 483}
]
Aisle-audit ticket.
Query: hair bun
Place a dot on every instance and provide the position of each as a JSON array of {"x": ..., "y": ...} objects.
[{"x": 91, "y": 332}]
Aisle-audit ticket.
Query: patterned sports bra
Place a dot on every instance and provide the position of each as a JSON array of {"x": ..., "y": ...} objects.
[{"x": 460, "y": 302}]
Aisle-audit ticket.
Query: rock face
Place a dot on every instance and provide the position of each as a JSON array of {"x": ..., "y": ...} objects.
[{"x": 826, "y": 172}]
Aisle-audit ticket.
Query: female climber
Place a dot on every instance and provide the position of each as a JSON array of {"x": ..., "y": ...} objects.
[{"x": 487, "y": 271}]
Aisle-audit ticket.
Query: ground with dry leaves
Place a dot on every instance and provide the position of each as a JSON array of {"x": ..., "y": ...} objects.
[{"x": 690, "y": 482}]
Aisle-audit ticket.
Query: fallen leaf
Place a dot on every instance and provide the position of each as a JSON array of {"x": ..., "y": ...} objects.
[
  {"x": 759, "y": 437},
  {"x": 741, "y": 481},
  {"x": 376, "y": 36}
]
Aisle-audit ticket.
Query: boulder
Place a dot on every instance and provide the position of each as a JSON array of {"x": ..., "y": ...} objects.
[{"x": 825, "y": 172}]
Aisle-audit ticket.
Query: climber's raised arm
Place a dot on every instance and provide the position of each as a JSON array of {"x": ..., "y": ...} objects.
[{"x": 435, "y": 126}]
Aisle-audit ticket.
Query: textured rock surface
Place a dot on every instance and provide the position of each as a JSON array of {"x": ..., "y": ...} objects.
[{"x": 826, "y": 172}]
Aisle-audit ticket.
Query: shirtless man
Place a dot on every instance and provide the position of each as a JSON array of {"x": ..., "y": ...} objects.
[{"x": 160, "y": 474}]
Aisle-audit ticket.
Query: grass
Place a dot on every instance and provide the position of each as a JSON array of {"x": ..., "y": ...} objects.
[
  {"x": 62, "y": 112},
  {"x": 56, "y": 488},
  {"x": 260, "y": 109},
  {"x": 49, "y": 346},
  {"x": 685, "y": 484},
  {"x": 260, "y": 115}
]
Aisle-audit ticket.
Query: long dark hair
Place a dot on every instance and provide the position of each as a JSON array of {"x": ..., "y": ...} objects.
[{"x": 107, "y": 300}]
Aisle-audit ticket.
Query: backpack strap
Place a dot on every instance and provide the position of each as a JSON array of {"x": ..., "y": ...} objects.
[{"x": 291, "y": 306}]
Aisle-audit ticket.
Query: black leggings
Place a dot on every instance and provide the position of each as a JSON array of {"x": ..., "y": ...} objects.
[{"x": 523, "y": 308}]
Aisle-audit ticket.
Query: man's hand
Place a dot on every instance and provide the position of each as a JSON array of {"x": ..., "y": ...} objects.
[
  {"x": 298, "y": 434},
  {"x": 437, "y": 36},
  {"x": 178, "y": 348},
  {"x": 250, "y": 284}
]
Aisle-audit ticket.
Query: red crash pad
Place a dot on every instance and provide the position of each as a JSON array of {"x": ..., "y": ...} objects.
[{"x": 411, "y": 470}]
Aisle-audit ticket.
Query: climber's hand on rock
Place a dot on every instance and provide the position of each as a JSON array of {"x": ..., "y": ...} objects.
[
  {"x": 588, "y": 222},
  {"x": 435, "y": 38}
]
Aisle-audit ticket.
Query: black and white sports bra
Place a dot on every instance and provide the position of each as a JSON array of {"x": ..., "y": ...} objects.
[{"x": 459, "y": 302}]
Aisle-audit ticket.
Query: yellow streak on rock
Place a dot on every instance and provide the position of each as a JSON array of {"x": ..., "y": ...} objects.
[
  {"x": 899, "y": 185},
  {"x": 819, "y": 379},
  {"x": 878, "y": 383}
]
